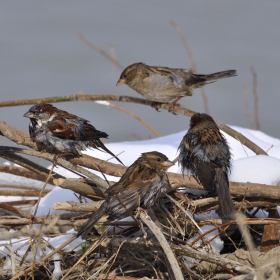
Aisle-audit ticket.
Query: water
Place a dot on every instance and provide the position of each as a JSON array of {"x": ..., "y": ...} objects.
[{"x": 42, "y": 56}]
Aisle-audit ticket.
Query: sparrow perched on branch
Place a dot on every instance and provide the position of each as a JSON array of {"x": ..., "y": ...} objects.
[
  {"x": 168, "y": 85},
  {"x": 56, "y": 131},
  {"x": 140, "y": 186},
  {"x": 205, "y": 153}
]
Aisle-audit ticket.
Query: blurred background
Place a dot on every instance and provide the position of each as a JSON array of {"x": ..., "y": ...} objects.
[{"x": 42, "y": 56}]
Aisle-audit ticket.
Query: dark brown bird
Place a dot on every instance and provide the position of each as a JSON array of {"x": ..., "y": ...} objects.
[
  {"x": 204, "y": 152},
  {"x": 56, "y": 131},
  {"x": 140, "y": 186},
  {"x": 163, "y": 84}
]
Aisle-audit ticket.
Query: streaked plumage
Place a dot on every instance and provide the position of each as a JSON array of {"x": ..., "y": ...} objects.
[
  {"x": 205, "y": 153},
  {"x": 141, "y": 186}
]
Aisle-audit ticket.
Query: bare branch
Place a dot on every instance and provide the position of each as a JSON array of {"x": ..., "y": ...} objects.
[
  {"x": 184, "y": 250},
  {"x": 15, "y": 170},
  {"x": 84, "y": 97},
  {"x": 137, "y": 118},
  {"x": 33, "y": 233},
  {"x": 112, "y": 58},
  {"x": 164, "y": 245},
  {"x": 59, "y": 248},
  {"x": 246, "y": 105},
  {"x": 22, "y": 187},
  {"x": 192, "y": 61},
  {"x": 5, "y": 150},
  {"x": 19, "y": 193},
  {"x": 81, "y": 187},
  {"x": 256, "y": 98},
  {"x": 78, "y": 207}
]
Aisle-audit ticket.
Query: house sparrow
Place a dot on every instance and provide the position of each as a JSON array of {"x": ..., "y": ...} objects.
[
  {"x": 141, "y": 185},
  {"x": 56, "y": 131},
  {"x": 205, "y": 153},
  {"x": 168, "y": 85}
]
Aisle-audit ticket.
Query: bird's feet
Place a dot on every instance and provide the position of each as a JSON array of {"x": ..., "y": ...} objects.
[
  {"x": 172, "y": 106},
  {"x": 155, "y": 105}
]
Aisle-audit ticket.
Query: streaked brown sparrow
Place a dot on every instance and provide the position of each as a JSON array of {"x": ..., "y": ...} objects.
[{"x": 141, "y": 185}]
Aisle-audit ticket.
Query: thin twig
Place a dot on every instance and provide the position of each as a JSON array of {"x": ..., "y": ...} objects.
[
  {"x": 41, "y": 193},
  {"x": 112, "y": 58},
  {"x": 89, "y": 250},
  {"x": 185, "y": 250},
  {"x": 83, "y": 97},
  {"x": 246, "y": 105},
  {"x": 256, "y": 98},
  {"x": 137, "y": 118},
  {"x": 116, "y": 254},
  {"x": 97, "y": 180},
  {"x": 193, "y": 64},
  {"x": 20, "y": 193},
  {"x": 24, "y": 272},
  {"x": 19, "y": 171},
  {"x": 22, "y": 187},
  {"x": 34, "y": 233},
  {"x": 246, "y": 235},
  {"x": 8, "y": 153},
  {"x": 269, "y": 148},
  {"x": 242, "y": 146},
  {"x": 164, "y": 245}
]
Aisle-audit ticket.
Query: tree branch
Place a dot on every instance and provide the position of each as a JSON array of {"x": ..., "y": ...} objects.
[{"x": 86, "y": 97}]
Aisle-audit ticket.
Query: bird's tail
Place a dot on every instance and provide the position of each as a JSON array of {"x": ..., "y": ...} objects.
[
  {"x": 227, "y": 209},
  {"x": 86, "y": 227},
  {"x": 99, "y": 144},
  {"x": 201, "y": 80}
]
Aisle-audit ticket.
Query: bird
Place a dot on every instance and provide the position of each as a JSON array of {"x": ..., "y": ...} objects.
[
  {"x": 205, "y": 153},
  {"x": 143, "y": 183},
  {"x": 168, "y": 85},
  {"x": 59, "y": 132}
]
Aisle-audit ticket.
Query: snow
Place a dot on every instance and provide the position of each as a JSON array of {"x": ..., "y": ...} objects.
[
  {"x": 102, "y": 102},
  {"x": 256, "y": 169},
  {"x": 246, "y": 167}
]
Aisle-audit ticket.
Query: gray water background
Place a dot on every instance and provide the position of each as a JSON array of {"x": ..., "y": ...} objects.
[{"x": 42, "y": 56}]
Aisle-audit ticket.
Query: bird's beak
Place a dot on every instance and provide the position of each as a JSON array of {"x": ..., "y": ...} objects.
[
  {"x": 120, "y": 82},
  {"x": 28, "y": 115},
  {"x": 168, "y": 163}
]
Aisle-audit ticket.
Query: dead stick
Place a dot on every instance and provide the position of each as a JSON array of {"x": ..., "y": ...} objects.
[
  {"x": 164, "y": 245},
  {"x": 44, "y": 259}
]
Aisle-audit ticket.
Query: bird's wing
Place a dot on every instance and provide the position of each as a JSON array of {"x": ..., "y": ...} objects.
[
  {"x": 205, "y": 174},
  {"x": 158, "y": 81},
  {"x": 141, "y": 193},
  {"x": 164, "y": 77},
  {"x": 134, "y": 186},
  {"x": 130, "y": 198},
  {"x": 60, "y": 128},
  {"x": 74, "y": 128}
]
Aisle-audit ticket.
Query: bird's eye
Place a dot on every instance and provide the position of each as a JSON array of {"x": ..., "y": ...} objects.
[
  {"x": 124, "y": 76},
  {"x": 158, "y": 159}
]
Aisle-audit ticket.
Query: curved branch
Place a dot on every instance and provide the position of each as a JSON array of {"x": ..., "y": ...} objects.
[
  {"x": 178, "y": 109},
  {"x": 176, "y": 180},
  {"x": 64, "y": 163},
  {"x": 19, "y": 171}
]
